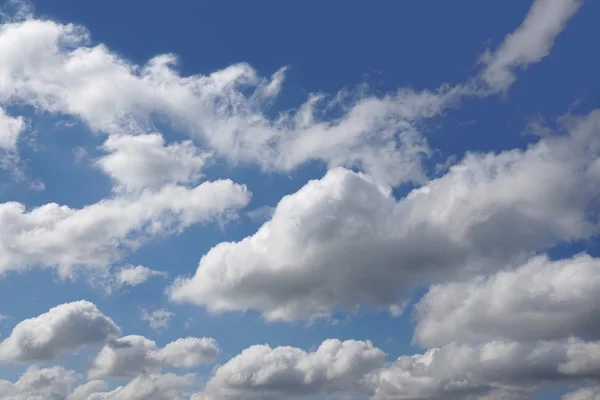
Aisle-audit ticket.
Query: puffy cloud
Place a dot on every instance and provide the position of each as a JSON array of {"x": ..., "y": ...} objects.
[
  {"x": 56, "y": 383},
  {"x": 133, "y": 355},
  {"x": 541, "y": 299},
  {"x": 144, "y": 161},
  {"x": 344, "y": 240},
  {"x": 10, "y": 128},
  {"x": 95, "y": 235},
  {"x": 530, "y": 42},
  {"x": 592, "y": 393},
  {"x": 148, "y": 387},
  {"x": 39, "y": 384},
  {"x": 135, "y": 275},
  {"x": 64, "y": 328},
  {"x": 53, "y": 67},
  {"x": 465, "y": 371},
  {"x": 157, "y": 319},
  {"x": 261, "y": 372}
]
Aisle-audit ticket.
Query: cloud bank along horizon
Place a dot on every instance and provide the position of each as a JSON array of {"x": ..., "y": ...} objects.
[{"x": 328, "y": 216}]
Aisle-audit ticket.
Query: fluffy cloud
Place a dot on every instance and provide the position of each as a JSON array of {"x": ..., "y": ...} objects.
[
  {"x": 157, "y": 319},
  {"x": 344, "y": 240},
  {"x": 261, "y": 372},
  {"x": 56, "y": 383},
  {"x": 144, "y": 161},
  {"x": 135, "y": 275},
  {"x": 39, "y": 384},
  {"x": 530, "y": 42},
  {"x": 53, "y": 67},
  {"x": 464, "y": 371},
  {"x": 148, "y": 387},
  {"x": 10, "y": 128},
  {"x": 95, "y": 235},
  {"x": 133, "y": 355},
  {"x": 541, "y": 299},
  {"x": 65, "y": 328}
]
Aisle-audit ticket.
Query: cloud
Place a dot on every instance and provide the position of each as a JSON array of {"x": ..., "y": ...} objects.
[
  {"x": 135, "y": 275},
  {"x": 39, "y": 384},
  {"x": 157, "y": 319},
  {"x": 592, "y": 393},
  {"x": 144, "y": 161},
  {"x": 529, "y": 43},
  {"x": 345, "y": 241},
  {"x": 56, "y": 383},
  {"x": 466, "y": 371},
  {"x": 55, "y": 68},
  {"x": 133, "y": 355},
  {"x": 10, "y": 128},
  {"x": 148, "y": 387},
  {"x": 94, "y": 236},
  {"x": 541, "y": 299},
  {"x": 63, "y": 329},
  {"x": 261, "y": 372}
]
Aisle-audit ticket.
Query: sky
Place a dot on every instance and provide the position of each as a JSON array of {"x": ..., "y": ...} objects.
[{"x": 299, "y": 200}]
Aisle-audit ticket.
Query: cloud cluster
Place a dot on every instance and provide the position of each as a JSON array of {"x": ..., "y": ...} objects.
[
  {"x": 95, "y": 235},
  {"x": 133, "y": 355},
  {"x": 344, "y": 240}
]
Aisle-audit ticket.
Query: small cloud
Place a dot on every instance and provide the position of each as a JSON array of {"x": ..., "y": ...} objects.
[
  {"x": 135, "y": 275},
  {"x": 158, "y": 319},
  {"x": 80, "y": 154},
  {"x": 261, "y": 214}
]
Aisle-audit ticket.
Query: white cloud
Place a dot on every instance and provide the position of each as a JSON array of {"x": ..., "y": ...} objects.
[
  {"x": 39, "y": 384},
  {"x": 466, "y": 371},
  {"x": 132, "y": 355},
  {"x": 53, "y": 67},
  {"x": 135, "y": 275},
  {"x": 261, "y": 372},
  {"x": 56, "y": 383},
  {"x": 541, "y": 299},
  {"x": 63, "y": 329},
  {"x": 343, "y": 240},
  {"x": 592, "y": 393},
  {"x": 149, "y": 387},
  {"x": 157, "y": 319},
  {"x": 530, "y": 42},
  {"x": 95, "y": 235},
  {"x": 144, "y": 161},
  {"x": 10, "y": 128}
]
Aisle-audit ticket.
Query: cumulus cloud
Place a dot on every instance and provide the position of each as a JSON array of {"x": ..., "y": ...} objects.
[
  {"x": 466, "y": 371},
  {"x": 344, "y": 240},
  {"x": 530, "y": 42},
  {"x": 39, "y": 384},
  {"x": 261, "y": 372},
  {"x": 541, "y": 299},
  {"x": 95, "y": 235},
  {"x": 10, "y": 129},
  {"x": 149, "y": 387},
  {"x": 63, "y": 329},
  {"x": 135, "y": 275},
  {"x": 144, "y": 161},
  {"x": 157, "y": 319},
  {"x": 56, "y": 383},
  {"x": 132, "y": 355}
]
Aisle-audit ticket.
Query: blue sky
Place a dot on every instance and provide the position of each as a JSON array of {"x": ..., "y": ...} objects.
[{"x": 439, "y": 200}]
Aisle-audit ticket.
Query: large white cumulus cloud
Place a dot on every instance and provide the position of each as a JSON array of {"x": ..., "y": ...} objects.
[{"x": 344, "y": 240}]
